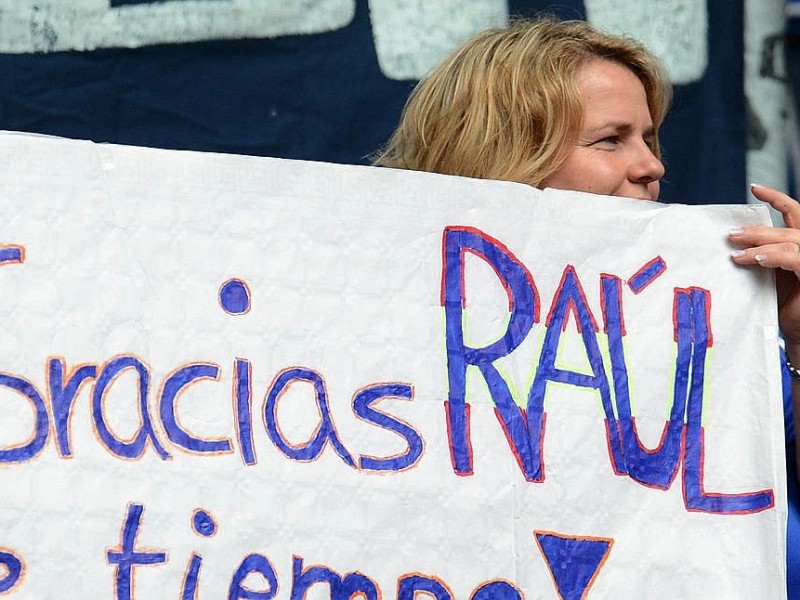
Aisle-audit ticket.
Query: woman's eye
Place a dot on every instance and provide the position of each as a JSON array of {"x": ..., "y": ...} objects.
[{"x": 611, "y": 140}]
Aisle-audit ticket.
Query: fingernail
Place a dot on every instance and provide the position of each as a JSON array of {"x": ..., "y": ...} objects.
[
  {"x": 760, "y": 257},
  {"x": 758, "y": 185},
  {"x": 736, "y": 231},
  {"x": 737, "y": 253}
]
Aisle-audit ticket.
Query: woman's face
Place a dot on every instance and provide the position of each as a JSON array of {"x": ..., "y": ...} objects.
[{"x": 613, "y": 154}]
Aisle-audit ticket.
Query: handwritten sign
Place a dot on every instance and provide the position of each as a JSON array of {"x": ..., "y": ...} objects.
[{"x": 237, "y": 377}]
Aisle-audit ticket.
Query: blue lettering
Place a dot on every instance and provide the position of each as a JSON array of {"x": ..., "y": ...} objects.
[
  {"x": 692, "y": 308},
  {"x": 173, "y": 386},
  {"x": 656, "y": 468},
  {"x": 14, "y": 571},
  {"x": 362, "y": 405},
  {"x": 409, "y": 585},
  {"x": 127, "y": 557},
  {"x": 41, "y": 427},
  {"x": 325, "y": 431},
  {"x": 189, "y": 589},
  {"x": 253, "y": 563},
  {"x": 569, "y": 298},
  {"x": 340, "y": 588},
  {"x": 524, "y": 308},
  {"x": 496, "y": 590},
  {"x": 651, "y": 271},
  {"x": 135, "y": 447},
  {"x": 62, "y": 397},
  {"x": 244, "y": 417},
  {"x": 574, "y": 562}
]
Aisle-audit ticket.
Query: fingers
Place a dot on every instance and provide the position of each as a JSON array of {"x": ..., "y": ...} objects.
[
  {"x": 755, "y": 237},
  {"x": 770, "y": 247},
  {"x": 783, "y": 255},
  {"x": 784, "y": 204},
  {"x": 763, "y": 235}
]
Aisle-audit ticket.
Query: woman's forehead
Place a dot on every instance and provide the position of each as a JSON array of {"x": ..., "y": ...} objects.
[{"x": 610, "y": 92}]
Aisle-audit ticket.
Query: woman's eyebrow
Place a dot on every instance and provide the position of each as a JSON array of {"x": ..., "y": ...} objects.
[{"x": 618, "y": 126}]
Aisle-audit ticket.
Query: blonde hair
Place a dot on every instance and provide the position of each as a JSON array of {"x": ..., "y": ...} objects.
[{"x": 505, "y": 105}]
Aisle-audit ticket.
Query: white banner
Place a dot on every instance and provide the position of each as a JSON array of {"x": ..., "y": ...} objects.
[{"x": 238, "y": 377}]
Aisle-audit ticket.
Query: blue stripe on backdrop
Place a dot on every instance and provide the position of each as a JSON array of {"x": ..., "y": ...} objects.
[
  {"x": 317, "y": 97},
  {"x": 704, "y": 136},
  {"x": 322, "y": 96}
]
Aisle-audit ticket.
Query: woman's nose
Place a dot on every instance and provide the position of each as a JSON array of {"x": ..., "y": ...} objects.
[{"x": 646, "y": 167}]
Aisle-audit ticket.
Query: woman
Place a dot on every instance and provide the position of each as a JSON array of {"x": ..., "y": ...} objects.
[{"x": 562, "y": 105}]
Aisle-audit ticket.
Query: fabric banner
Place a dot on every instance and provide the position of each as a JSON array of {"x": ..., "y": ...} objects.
[
  {"x": 225, "y": 376},
  {"x": 326, "y": 79}
]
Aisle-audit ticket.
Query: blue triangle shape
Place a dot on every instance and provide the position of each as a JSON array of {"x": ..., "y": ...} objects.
[{"x": 573, "y": 561}]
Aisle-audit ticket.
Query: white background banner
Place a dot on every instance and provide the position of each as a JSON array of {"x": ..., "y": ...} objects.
[{"x": 223, "y": 373}]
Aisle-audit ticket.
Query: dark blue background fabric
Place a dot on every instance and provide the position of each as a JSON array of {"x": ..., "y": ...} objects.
[
  {"x": 323, "y": 97},
  {"x": 793, "y": 526},
  {"x": 704, "y": 136},
  {"x": 793, "y": 493}
]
